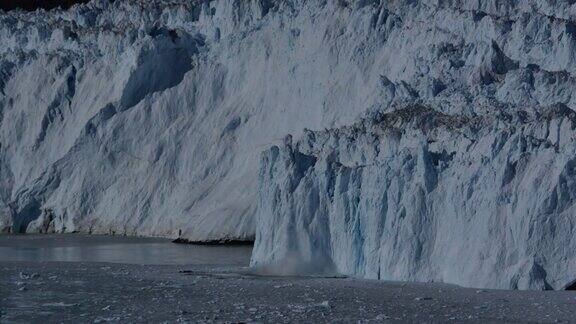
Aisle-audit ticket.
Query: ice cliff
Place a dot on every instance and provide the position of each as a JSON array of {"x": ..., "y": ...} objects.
[
  {"x": 485, "y": 201},
  {"x": 431, "y": 139}
]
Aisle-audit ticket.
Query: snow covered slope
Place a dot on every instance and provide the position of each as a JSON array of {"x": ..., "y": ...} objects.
[{"x": 149, "y": 117}]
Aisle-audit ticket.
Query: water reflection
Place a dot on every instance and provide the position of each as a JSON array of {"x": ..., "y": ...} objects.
[{"x": 82, "y": 248}]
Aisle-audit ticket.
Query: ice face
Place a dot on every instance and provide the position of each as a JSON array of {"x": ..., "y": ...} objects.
[
  {"x": 422, "y": 196},
  {"x": 149, "y": 117}
]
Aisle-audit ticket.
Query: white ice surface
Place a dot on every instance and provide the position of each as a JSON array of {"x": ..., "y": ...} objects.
[{"x": 421, "y": 196}]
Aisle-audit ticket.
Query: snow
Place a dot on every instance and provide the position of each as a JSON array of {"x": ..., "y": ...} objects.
[{"x": 149, "y": 117}]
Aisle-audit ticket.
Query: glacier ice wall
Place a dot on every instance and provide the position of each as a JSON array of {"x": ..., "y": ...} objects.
[
  {"x": 485, "y": 201},
  {"x": 148, "y": 117}
]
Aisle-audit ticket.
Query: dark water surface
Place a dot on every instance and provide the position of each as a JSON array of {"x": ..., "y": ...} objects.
[
  {"x": 115, "y": 249},
  {"x": 170, "y": 283}
]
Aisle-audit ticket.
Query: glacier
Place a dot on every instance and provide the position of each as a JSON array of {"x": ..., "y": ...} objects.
[
  {"x": 416, "y": 140},
  {"x": 418, "y": 195}
]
